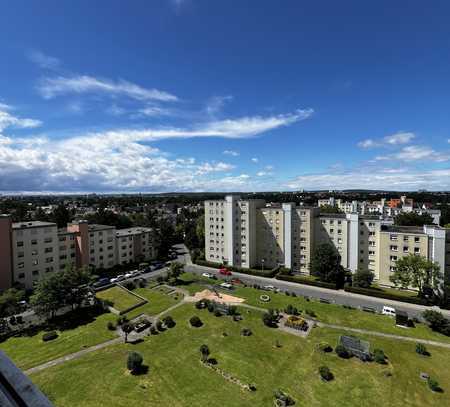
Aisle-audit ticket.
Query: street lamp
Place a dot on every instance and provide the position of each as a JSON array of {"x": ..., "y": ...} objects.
[{"x": 262, "y": 265}]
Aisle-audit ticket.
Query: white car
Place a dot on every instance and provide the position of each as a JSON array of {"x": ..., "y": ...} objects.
[
  {"x": 120, "y": 277},
  {"x": 128, "y": 275},
  {"x": 207, "y": 275},
  {"x": 388, "y": 311},
  {"x": 228, "y": 286},
  {"x": 269, "y": 287},
  {"x": 114, "y": 280}
]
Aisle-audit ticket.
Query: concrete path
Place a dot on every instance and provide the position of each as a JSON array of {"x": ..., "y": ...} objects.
[{"x": 72, "y": 356}]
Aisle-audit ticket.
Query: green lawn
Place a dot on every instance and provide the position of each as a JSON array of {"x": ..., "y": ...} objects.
[
  {"x": 176, "y": 377},
  {"x": 157, "y": 302},
  {"x": 31, "y": 351},
  {"x": 327, "y": 313},
  {"x": 120, "y": 298}
]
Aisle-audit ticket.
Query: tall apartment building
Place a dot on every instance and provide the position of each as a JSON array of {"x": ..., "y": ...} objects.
[
  {"x": 31, "y": 250},
  {"x": 249, "y": 233}
]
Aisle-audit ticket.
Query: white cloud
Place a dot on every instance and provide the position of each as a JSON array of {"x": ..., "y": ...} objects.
[
  {"x": 51, "y": 87},
  {"x": 269, "y": 167},
  {"x": 153, "y": 111},
  {"x": 386, "y": 179},
  {"x": 44, "y": 61},
  {"x": 215, "y": 104},
  {"x": 416, "y": 153},
  {"x": 214, "y": 167},
  {"x": 254, "y": 160},
  {"x": 231, "y": 152},
  {"x": 391, "y": 140},
  {"x": 9, "y": 120}
]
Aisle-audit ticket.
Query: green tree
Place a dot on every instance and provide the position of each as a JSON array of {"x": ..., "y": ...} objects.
[
  {"x": 362, "y": 278},
  {"x": 134, "y": 362},
  {"x": 417, "y": 272},
  {"x": 9, "y": 302},
  {"x": 200, "y": 229},
  {"x": 61, "y": 216},
  {"x": 326, "y": 264},
  {"x": 413, "y": 219},
  {"x": 175, "y": 270},
  {"x": 49, "y": 296},
  {"x": 329, "y": 209},
  {"x": 127, "y": 328},
  {"x": 270, "y": 318},
  {"x": 204, "y": 352}
]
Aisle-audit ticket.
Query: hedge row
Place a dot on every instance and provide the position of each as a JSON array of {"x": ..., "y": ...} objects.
[
  {"x": 253, "y": 272},
  {"x": 306, "y": 281},
  {"x": 383, "y": 294}
]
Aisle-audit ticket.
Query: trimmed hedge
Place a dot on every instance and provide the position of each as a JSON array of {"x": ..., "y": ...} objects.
[
  {"x": 306, "y": 281},
  {"x": 49, "y": 336},
  {"x": 383, "y": 294},
  {"x": 253, "y": 272}
]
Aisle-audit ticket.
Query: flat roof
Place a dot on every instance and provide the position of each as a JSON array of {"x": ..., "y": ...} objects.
[
  {"x": 32, "y": 224},
  {"x": 402, "y": 229},
  {"x": 133, "y": 231},
  {"x": 95, "y": 227}
]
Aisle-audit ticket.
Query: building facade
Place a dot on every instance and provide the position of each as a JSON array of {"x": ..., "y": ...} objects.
[
  {"x": 253, "y": 234},
  {"x": 31, "y": 250}
]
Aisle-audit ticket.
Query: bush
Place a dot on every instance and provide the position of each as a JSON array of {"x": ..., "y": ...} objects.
[
  {"x": 153, "y": 330},
  {"x": 306, "y": 281},
  {"x": 246, "y": 332},
  {"x": 217, "y": 313},
  {"x": 49, "y": 336},
  {"x": 111, "y": 326},
  {"x": 142, "y": 283},
  {"x": 122, "y": 320},
  {"x": 342, "y": 352},
  {"x": 382, "y": 294},
  {"x": 325, "y": 373},
  {"x": 270, "y": 318},
  {"x": 195, "y": 321},
  {"x": 421, "y": 349},
  {"x": 310, "y": 312},
  {"x": 129, "y": 285},
  {"x": 283, "y": 399},
  {"x": 324, "y": 347},
  {"x": 433, "y": 385},
  {"x": 200, "y": 304},
  {"x": 291, "y": 310},
  {"x": 379, "y": 356},
  {"x": 134, "y": 362},
  {"x": 436, "y": 321},
  {"x": 211, "y": 306},
  {"x": 159, "y": 325},
  {"x": 363, "y": 278},
  {"x": 168, "y": 321}
]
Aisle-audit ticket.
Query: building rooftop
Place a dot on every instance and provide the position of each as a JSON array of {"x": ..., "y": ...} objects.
[
  {"x": 95, "y": 227},
  {"x": 402, "y": 229},
  {"x": 333, "y": 215},
  {"x": 132, "y": 231},
  {"x": 33, "y": 224}
]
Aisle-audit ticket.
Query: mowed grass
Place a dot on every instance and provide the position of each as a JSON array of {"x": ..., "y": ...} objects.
[
  {"x": 120, "y": 299},
  {"x": 176, "y": 377},
  {"x": 327, "y": 313},
  {"x": 30, "y": 351},
  {"x": 157, "y": 302}
]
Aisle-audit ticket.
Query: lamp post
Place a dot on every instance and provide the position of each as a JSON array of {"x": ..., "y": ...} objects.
[{"x": 262, "y": 265}]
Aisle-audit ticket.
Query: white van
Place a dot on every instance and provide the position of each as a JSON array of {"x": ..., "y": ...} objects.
[
  {"x": 228, "y": 286},
  {"x": 388, "y": 311}
]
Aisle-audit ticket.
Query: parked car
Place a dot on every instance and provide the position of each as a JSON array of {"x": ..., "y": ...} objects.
[
  {"x": 101, "y": 282},
  {"x": 225, "y": 272},
  {"x": 269, "y": 287},
  {"x": 139, "y": 327},
  {"x": 227, "y": 286},
  {"x": 120, "y": 277},
  {"x": 208, "y": 275},
  {"x": 388, "y": 311},
  {"x": 128, "y": 275},
  {"x": 236, "y": 281},
  {"x": 114, "y": 280}
]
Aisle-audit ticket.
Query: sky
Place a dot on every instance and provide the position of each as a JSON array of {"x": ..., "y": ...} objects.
[{"x": 233, "y": 95}]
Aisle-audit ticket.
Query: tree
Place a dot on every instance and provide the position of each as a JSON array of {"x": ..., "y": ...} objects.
[
  {"x": 61, "y": 216},
  {"x": 204, "y": 352},
  {"x": 325, "y": 373},
  {"x": 127, "y": 328},
  {"x": 326, "y": 264},
  {"x": 413, "y": 219},
  {"x": 379, "y": 356},
  {"x": 417, "y": 272},
  {"x": 168, "y": 321},
  {"x": 329, "y": 209},
  {"x": 134, "y": 362},
  {"x": 195, "y": 321},
  {"x": 436, "y": 320},
  {"x": 200, "y": 230},
  {"x": 175, "y": 270},
  {"x": 49, "y": 296},
  {"x": 362, "y": 278},
  {"x": 270, "y": 318},
  {"x": 10, "y": 302},
  {"x": 421, "y": 349}
]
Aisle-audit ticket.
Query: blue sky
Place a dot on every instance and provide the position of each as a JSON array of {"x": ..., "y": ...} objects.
[{"x": 202, "y": 95}]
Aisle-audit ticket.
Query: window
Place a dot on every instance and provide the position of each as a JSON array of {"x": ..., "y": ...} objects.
[
  {"x": 21, "y": 275},
  {"x": 34, "y": 262},
  {"x": 48, "y": 240},
  {"x": 48, "y": 250},
  {"x": 33, "y": 242},
  {"x": 394, "y": 248},
  {"x": 405, "y": 238},
  {"x": 20, "y": 254},
  {"x": 405, "y": 249},
  {"x": 416, "y": 250},
  {"x": 393, "y": 237},
  {"x": 49, "y": 259},
  {"x": 62, "y": 238},
  {"x": 34, "y": 252},
  {"x": 393, "y": 258},
  {"x": 21, "y": 265},
  {"x": 417, "y": 239},
  {"x": 19, "y": 244}
]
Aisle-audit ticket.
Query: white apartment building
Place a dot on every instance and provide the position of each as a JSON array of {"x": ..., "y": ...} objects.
[
  {"x": 135, "y": 245},
  {"x": 251, "y": 234}
]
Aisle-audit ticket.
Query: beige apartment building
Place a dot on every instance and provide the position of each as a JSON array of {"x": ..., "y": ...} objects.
[
  {"x": 253, "y": 234},
  {"x": 31, "y": 250}
]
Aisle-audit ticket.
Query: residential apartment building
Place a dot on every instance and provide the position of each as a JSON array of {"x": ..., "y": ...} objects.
[
  {"x": 251, "y": 233},
  {"x": 31, "y": 250}
]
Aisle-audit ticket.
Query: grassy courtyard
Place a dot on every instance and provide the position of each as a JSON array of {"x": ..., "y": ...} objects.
[
  {"x": 327, "y": 313},
  {"x": 119, "y": 298},
  {"x": 30, "y": 351},
  {"x": 177, "y": 378}
]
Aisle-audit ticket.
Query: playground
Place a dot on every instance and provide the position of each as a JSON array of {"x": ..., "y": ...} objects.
[{"x": 217, "y": 297}]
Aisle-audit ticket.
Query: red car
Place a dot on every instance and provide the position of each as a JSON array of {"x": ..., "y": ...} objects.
[{"x": 225, "y": 271}]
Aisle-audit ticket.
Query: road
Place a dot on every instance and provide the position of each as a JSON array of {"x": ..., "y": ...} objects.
[{"x": 340, "y": 297}]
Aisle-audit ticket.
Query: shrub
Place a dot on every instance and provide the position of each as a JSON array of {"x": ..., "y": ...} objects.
[
  {"x": 436, "y": 321},
  {"x": 134, "y": 362},
  {"x": 246, "y": 332},
  {"x": 169, "y": 322},
  {"x": 153, "y": 330},
  {"x": 211, "y": 307},
  {"x": 379, "y": 356},
  {"x": 270, "y": 318},
  {"x": 325, "y": 373},
  {"x": 383, "y": 294},
  {"x": 159, "y": 325},
  {"x": 310, "y": 312},
  {"x": 111, "y": 326},
  {"x": 283, "y": 399},
  {"x": 49, "y": 336},
  {"x": 142, "y": 283},
  {"x": 200, "y": 304},
  {"x": 122, "y": 320},
  {"x": 291, "y": 310},
  {"x": 306, "y": 281},
  {"x": 324, "y": 347},
  {"x": 421, "y": 349},
  {"x": 195, "y": 321},
  {"x": 433, "y": 385},
  {"x": 342, "y": 352},
  {"x": 129, "y": 285},
  {"x": 288, "y": 293}
]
